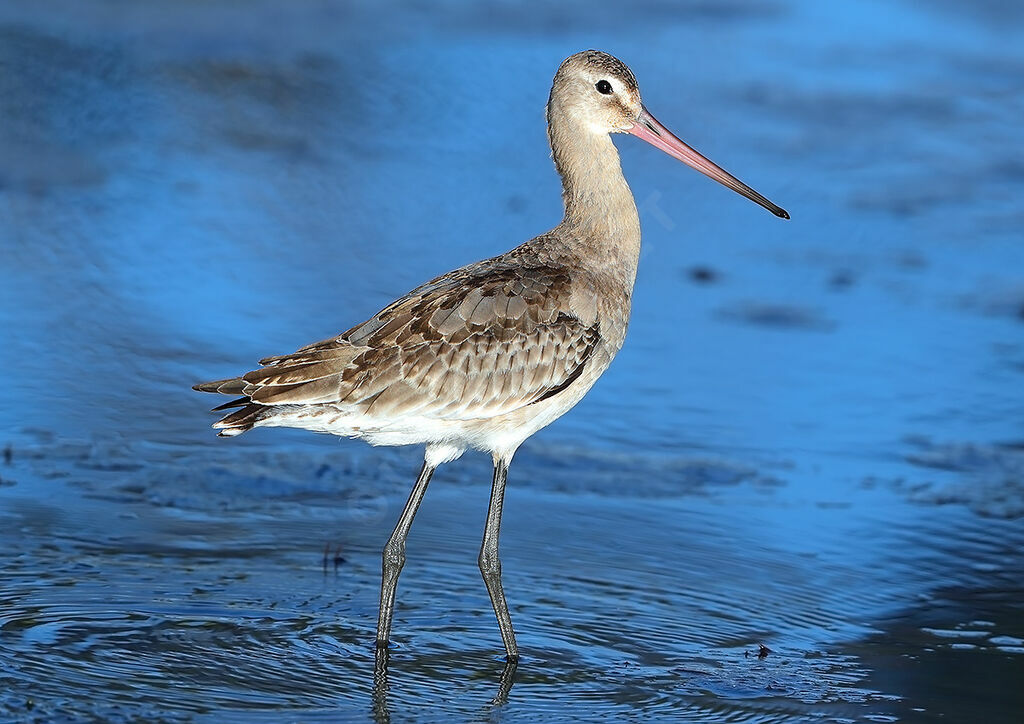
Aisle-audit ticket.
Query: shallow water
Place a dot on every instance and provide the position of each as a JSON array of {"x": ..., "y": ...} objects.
[{"x": 812, "y": 440}]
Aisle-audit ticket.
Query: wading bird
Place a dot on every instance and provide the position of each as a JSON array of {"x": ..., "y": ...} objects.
[{"x": 484, "y": 356}]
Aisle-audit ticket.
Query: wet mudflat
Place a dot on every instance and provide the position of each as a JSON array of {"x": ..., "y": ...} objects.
[{"x": 811, "y": 442}]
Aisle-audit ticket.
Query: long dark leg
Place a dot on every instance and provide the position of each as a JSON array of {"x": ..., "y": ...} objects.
[
  {"x": 490, "y": 564},
  {"x": 394, "y": 556}
]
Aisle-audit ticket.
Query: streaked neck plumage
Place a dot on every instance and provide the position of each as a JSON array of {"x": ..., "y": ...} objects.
[{"x": 601, "y": 219}]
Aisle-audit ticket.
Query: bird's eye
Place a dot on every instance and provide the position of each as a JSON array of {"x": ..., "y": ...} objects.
[{"x": 604, "y": 87}]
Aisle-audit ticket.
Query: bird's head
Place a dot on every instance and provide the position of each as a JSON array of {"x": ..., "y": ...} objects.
[{"x": 600, "y": 95}]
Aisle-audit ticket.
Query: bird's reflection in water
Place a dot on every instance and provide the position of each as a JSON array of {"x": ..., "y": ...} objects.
[
  {"x": 381, "y": 687},
  {"x": 505, "y": 682},
  {"x": 381, "y": 713}
]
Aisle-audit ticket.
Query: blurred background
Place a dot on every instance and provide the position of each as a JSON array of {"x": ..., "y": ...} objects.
[{"x": 812, "y": 439}]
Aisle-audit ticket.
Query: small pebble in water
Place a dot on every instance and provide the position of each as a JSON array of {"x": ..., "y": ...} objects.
[
  {"x": 703, "y": 274},
  {"x": 842, "y": 279}
]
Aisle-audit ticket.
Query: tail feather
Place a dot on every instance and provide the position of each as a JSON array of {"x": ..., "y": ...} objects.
[
  {"x": 237, "y": 402},
  {"x": 230, "y": 386},
  {"x": 240, "y": 421}
]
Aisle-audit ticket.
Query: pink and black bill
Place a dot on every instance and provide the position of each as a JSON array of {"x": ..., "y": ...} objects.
[{"x": 649, "y": 129}]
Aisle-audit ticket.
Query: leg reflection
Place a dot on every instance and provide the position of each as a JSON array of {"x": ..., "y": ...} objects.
[
  {"x": 381, "y": 713},
  {"x": 381, "y": 687},
  {"x": 505, "y": 682}
]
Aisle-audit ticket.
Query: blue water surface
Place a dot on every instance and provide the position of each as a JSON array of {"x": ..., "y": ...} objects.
[{"x": 812, "y": 440}]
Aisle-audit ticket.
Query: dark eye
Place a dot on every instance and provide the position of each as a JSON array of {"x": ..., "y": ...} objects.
[{"x": 603, "y": 86}]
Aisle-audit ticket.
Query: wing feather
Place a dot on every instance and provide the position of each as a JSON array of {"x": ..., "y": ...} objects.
[{"x": 480, "y": 341}]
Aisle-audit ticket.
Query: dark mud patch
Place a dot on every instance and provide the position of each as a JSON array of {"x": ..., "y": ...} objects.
[
  {"x": 703, "y": 274},
  {"x": 999, "y": 301},
  {"x": 777, "y": 316},
  {"x": 989, "y": 478}
]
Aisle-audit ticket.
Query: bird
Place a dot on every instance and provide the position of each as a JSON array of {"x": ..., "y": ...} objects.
[{"x": 484, "y": 356}]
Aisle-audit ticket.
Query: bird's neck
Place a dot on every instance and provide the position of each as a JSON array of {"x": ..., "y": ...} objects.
[{"x": 600, "y": 215}]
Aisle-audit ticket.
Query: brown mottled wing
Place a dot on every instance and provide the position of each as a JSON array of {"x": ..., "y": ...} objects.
[{"x": 477, "y": 342}]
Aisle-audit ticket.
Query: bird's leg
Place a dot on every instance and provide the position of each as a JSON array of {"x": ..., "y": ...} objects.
[
  {"x": 393, "y": 557},
  {"x": 490, "y": 564}
]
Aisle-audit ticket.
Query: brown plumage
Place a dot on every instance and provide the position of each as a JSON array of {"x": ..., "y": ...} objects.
[
  {"x": 482, "y": 340},
  {"x": 484, "y": 356}
]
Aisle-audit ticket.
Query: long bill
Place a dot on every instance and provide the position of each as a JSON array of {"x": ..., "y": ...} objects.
[{"x": 649, "y": 129}]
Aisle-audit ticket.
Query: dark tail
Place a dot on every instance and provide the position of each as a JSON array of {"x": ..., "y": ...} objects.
[
  {"x": 230, "y": 386},
  {"x": 240, "y": 420}
]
